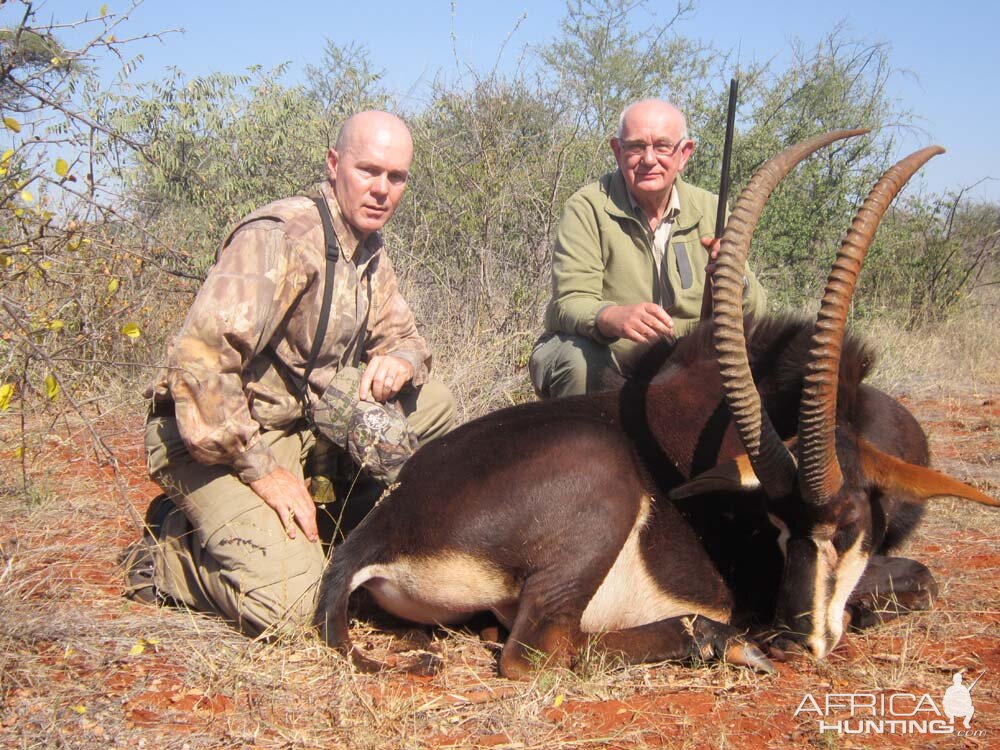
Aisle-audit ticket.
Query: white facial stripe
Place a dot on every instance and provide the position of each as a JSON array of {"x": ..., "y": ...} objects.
[
  {"x": 783, "y": 533},
  {"x": 849, "y": 571},
  {"x": 817, "y": 639}
]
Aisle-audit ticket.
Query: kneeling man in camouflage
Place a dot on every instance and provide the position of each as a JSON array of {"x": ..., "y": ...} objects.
[{"x": 299, "y": 329}]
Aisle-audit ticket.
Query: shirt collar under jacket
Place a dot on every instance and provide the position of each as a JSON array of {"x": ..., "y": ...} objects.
[
  {"x": 617, "y": 203},
  {"x": 673, "y": 208},
  {"x": 347, "y": 235}
]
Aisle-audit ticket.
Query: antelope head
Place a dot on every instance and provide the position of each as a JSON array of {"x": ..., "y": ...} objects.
[{"x": 822, "y": 489}]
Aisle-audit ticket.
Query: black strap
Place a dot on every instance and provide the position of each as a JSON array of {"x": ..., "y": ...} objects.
[{"x": 332, "y": 255}]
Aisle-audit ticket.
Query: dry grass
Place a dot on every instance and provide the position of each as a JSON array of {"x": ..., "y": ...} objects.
[
  {"x": 83, "y": 668},
  {"x": 959, "y": 354}
]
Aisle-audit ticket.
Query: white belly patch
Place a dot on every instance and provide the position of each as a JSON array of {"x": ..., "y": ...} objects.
[
  {"x": 445, "y": 589},
  {"x": 629, "y": 596}
]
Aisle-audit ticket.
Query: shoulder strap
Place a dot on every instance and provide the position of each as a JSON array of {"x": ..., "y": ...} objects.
[{"x": 332, "y": 255}]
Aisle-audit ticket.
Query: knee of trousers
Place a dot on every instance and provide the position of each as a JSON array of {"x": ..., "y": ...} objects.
[
  {"x": 263, "y": 584},
  {"x": 433, "y": 412},
  {"x": 286, "y": 605},
  {"x": 565, "y": 365}
]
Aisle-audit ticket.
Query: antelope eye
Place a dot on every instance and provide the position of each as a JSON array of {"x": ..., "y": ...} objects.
[{"x": 846, "y": 537}]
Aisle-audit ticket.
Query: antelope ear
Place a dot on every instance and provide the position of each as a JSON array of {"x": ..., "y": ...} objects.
[
  {"x": 736, "y": 475},
  {"x": 893, "y": 474}
]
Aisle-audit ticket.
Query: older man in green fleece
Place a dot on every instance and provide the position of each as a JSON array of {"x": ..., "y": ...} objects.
[{"x": 630, "y": 258}]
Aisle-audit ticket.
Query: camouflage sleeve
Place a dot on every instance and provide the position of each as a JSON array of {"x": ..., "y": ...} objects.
[
  {"x": 392, "y": 327},
  {"x": 233, "y": 317}
]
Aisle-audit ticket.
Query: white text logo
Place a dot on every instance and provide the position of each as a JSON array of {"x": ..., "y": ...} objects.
[{"x": 894, "y": 713}]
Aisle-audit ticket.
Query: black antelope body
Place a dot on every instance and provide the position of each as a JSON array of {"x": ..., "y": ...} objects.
[{"x": 752, "y": 478}]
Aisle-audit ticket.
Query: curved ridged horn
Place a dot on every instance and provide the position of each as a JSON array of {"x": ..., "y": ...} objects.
[
  {"x": 770, "y": 459},
  {"x": 819, "y": 470}
]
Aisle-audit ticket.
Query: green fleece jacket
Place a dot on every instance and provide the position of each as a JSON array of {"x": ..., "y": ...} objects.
[{"x": 604, "y": 257}]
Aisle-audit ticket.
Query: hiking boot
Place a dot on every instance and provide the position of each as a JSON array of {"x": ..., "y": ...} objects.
[{"x": 138, "y": 558}]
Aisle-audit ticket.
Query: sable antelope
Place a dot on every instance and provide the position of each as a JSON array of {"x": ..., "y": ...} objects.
[{"x": 653, "y": 518}]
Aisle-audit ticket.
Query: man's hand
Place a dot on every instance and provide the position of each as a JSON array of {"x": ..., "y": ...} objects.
[
  {"x": 290, "y": 499},
  {"x": 642, "y": 322},
  {"x": 384, "y": 375},
  {"x": 712, "y": 245}
]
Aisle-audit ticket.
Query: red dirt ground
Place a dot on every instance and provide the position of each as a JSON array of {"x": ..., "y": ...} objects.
[{"x": 83, "y": 668}]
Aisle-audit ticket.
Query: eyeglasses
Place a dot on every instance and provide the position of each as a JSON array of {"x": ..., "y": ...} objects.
[{"x": 637, "y": 149}]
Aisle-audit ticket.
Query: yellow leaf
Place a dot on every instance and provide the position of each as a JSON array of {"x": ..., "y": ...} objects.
[
  {"x": 558, "y": 700},
  {"x": 103, "y": 10},
  {"x": 111, "y": 39},
  {"x": 12, "y": 124},
  {"x": 113, "y": 286},
  {"x": 131, "y": 330},
  {"x": 6, "y": 394},
  {"x": 51, "y": 387},
  {"x": 137, "y": 648},
  {"x": 56, "y": 62},
  {"x": 3, "y": 169},
  {"x": 73, "y": 244},
  {"x": 18, "y": 212},
  {"x": 6, "y": 261},
  {"x": 45, "y": 265},
  {"x": 152, "y": 641},
  {"x": 78, "y": 709},
  {"x": 19, "y": 451},
  {"x": 62, "y": 168},
  {"x": 56, "y": 325},
  {"x": 26, "y": 196},
  {"x": 69, "y": 652},
  {"x": 7, "y": 154}
]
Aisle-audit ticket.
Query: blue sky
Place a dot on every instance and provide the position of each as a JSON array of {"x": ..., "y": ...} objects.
[{"x": 949, "y": 49}]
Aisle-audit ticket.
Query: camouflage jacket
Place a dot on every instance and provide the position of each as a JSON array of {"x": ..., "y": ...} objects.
[{"x": 234, "y": 367}]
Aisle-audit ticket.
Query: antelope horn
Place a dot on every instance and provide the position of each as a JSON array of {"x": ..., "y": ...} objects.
[
  {"x": 819, "y": 470},
  {"x": 770, "y": 459}
]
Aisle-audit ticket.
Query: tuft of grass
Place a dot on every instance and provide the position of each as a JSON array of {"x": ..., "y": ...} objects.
[{"x": 39, "y": 494}]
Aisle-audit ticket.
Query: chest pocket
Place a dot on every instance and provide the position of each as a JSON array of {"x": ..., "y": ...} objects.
[{"x": 684, "y": 268}]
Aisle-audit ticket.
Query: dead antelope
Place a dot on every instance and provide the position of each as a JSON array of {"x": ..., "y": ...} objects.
[{"x": 751, "y": 478}]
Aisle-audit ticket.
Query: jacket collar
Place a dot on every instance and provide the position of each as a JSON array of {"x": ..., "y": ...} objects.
[
  {"x": 351, "y": 245},
  {"x": 619, "y": 205}
]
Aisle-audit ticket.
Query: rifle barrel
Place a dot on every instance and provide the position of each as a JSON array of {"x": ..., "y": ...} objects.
[{"x": 720, "y": 216}]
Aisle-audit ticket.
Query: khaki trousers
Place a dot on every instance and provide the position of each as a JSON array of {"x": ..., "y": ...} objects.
[
  {"x": 565, "y": 365},
  {"x": 224, "y": 551}
]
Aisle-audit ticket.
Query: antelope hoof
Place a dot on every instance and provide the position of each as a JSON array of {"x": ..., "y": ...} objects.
[
  {"x": 748, "y": 655},
  {"x": 785, "y": 649}
]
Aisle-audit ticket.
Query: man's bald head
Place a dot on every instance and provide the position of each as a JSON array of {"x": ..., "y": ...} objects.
[
  {"x": 655, "y": 108},
  {"x": 368, "y": 168},
  {"x": 372, "y": 124}
]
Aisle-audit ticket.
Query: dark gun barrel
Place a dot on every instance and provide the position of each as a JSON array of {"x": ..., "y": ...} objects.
[{"x": 720, "y": 216}]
